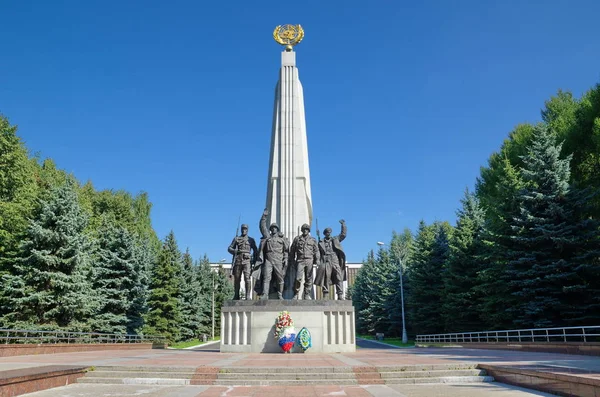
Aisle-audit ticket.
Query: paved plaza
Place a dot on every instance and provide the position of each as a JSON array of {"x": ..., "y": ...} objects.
[{"x": 364, "y": 357}]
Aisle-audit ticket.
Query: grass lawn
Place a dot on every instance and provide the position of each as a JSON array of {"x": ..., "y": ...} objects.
[
  {"x": 390, "y": 341},
  {"x": 189, "y": 343}
]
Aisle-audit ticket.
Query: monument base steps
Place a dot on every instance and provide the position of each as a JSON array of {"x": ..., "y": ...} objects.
[{"x": 289, "y": 376}]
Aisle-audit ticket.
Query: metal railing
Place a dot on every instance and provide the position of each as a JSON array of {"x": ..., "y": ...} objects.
[
  {"x": 24, "y": 336},
  {"x": 565, "y": 334}
]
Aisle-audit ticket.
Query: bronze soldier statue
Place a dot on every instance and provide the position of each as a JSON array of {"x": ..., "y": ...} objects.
[
  {"x": 274, "y": 252},
  {"x": 332, "y": 269},
  {"x": 242, "y": 261},
  {"x": 304, "y": 253}
]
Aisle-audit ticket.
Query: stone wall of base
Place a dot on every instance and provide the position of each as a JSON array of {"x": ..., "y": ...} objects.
[
  {"x": 558, "y": 384},
  {"x": 29, "y": 380},
  {"x": 249, "y": 326},
  {"x": 587, "y": 349},
  {"x": 48, "y": 348}
]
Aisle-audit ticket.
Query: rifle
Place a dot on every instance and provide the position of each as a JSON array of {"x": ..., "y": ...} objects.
[
  {"x": 318, "y": 232},
  {"x": 236, "y": 249}
]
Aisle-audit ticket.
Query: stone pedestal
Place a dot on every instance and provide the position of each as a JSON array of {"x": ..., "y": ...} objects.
[{"x": 249, "y": 326}]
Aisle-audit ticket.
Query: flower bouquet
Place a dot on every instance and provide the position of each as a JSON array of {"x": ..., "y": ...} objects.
[{"x": 284, "y": 331}]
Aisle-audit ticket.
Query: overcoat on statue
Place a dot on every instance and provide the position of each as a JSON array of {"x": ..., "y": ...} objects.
[{"x": 323, "y": 277}]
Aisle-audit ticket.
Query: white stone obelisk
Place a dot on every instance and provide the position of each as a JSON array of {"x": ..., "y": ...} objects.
[{"x": 288, "y": 186}]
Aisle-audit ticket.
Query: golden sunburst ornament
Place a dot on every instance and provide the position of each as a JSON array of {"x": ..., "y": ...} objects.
[{"x": 288, "y": 35}]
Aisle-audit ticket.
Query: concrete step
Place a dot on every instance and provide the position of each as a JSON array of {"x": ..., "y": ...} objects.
[
  {"x": 142, "y": 368},
  {"x": 283, "y": 376},
  {"x": 432, "y": 374},
  {"x": 135, "y": 381},
  {"x": 435, "y": 367},
  {"x": 287, "y": 382},
  {"x": 448, "y": 379},
  {"x": 287, "y": 370},
  {"x": 139, "y": 374},
  {"x": 347, "y": 382}
]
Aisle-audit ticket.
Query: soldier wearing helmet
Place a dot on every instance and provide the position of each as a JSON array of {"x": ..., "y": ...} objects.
[
  {"x": 274, "y": 249},
  {"x": 241, "y": 248},
  {"x": 304, "y": 252},
  {"x": 332, "y": 269}
]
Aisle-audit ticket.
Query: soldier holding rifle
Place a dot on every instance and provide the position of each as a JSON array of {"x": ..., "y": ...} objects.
[{"x": 244, "y": 251}]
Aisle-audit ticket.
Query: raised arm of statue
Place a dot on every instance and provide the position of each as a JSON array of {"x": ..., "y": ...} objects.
[
  {"x": 262, "y": 225},
  {"x": 232, "y": 247},
  {"x": 342, "y": 235}
]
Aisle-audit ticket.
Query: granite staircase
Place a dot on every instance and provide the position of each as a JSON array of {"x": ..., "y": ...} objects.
[{"x": 289, "y": 376}]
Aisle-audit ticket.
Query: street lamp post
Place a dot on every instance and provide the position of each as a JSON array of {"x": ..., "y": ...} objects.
[
  {"x": 213, "y": 306},
  {"x": 404, "y": 336},
  {"x": 213, "y": 300}
]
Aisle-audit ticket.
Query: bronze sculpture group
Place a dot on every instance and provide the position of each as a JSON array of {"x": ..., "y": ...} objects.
[{"x": 268, "y": 263}]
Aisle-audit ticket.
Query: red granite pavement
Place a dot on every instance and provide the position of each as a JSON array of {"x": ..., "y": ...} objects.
[
  {"x": 583, "y": 365},
  {"x": 278, "y": 391}
]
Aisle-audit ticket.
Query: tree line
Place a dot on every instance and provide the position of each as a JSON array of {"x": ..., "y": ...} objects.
[
  {"x": 79, "y": 259},
  {"x": 525, "y": 249}
]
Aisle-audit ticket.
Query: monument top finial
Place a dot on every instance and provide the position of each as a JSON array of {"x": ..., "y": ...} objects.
[{"x": 288, "y": 35}]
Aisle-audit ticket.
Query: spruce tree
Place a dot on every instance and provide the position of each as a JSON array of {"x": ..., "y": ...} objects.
[
  {"x": 18, "y": 200},
  {"x": 363, "y": 293},
  {"x": 401, "y": 248},
  {"x": 144, "y": 259},
  {"x": 544, "y": 269},
  {"x": 426, "y": 277},
  {"x": 189, "y": 299},
  {"x": 50, "y": 286},
  {"x": 384, "y": 270},
  {"x": 164, "y": 310},
  {"x": 461, "y": 304},
  {"x": 497, "y": 233},
  {"x": 204, "y": 277},
  {"x": 114, "y": 277},
  {"x": 223, "y": 292}
]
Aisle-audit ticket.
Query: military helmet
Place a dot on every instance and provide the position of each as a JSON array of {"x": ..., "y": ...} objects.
[
  {"x": 305, "y": 226},
  {"x": 327, "y": 230},
  {"x": 244, "y": 226},
  {"x": 273, "y": 225}
]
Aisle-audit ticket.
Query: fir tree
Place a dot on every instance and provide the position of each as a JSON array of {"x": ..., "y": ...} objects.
[
  {"x": 492, "y": 286},
  {"x": 426, "y": 277},
  {"x": 164, "y": 310},
  {"x": 385, "y": 270},
  {"x": 18, "y": 200},
  {"x": 114, "y": 277},
  {"x": 544, "y": 270},
  {"x": 50, "y": 285},
  {"x": 401, "y": 248},
  {"x": 144, "y": 259},
  {"x": 363, "y": 292},
  {"x": 461, "y": 305},
  {"x": 189, "y": 299},
  {"x": 204, "y": 277},
  {"x": 223, "y": 292}
]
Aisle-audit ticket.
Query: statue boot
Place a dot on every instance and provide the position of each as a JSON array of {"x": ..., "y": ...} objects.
[
  {"x": 296, "y": 290},
  {"x": 340, "y": 296},
  {"x": 280, "y": 291},
  {"x": 307, "y": 294}
]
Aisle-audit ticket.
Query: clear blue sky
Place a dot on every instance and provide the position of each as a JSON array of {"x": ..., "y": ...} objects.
[{"x": 404, "y": 100}]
